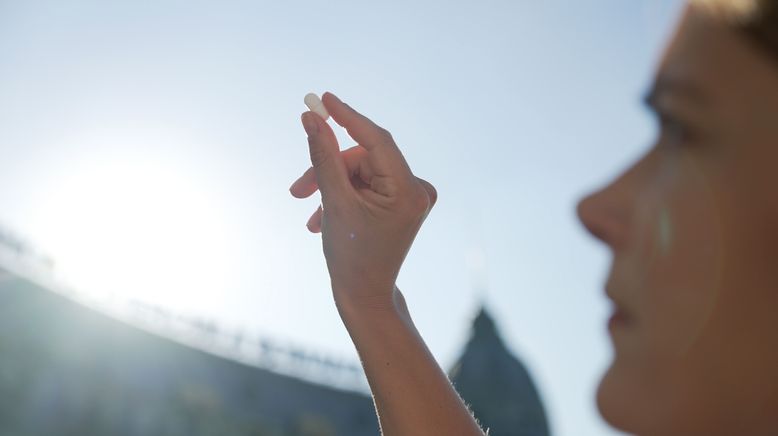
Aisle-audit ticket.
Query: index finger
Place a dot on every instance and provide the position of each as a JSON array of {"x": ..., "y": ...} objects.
[{"x": 367, "y": 133}]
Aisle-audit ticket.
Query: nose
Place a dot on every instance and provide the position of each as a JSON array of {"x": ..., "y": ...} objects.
[{"x": 603, "y": 215}]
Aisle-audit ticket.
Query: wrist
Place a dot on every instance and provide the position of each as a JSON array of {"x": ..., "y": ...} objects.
[{"x": 369, "y": 303}]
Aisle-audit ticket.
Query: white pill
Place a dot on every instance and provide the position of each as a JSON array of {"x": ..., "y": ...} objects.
[{"x": 314, "y": 103}]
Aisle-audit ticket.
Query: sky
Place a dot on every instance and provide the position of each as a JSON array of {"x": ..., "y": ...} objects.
[{"x": 148, "y": 147}]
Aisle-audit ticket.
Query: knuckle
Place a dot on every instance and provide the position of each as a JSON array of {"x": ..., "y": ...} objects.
[
  {"x": 319, "y": 156},
  {"x": 419, "y": 201},
  {"x": 385, "y": 135},
  {"x": 431, "y": 191},
  {"x": 433, "y": 195},
  {"x": 386, "y": 186}
]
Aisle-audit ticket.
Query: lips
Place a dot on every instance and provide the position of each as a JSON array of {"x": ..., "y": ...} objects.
[
  {"x": 620, "y": 317},
  {"x": 618, "y": 320}
]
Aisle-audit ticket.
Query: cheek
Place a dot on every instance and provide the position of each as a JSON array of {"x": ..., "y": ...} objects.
[
  {"x": 677, "y": 259},
  {"x": 671, "y": 271}
]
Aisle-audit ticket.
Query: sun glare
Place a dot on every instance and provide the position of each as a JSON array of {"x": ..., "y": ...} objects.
[{"x": 136, "y": 230}]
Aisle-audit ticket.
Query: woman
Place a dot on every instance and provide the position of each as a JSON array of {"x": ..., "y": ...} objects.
[{"x": 692, "y": 225}]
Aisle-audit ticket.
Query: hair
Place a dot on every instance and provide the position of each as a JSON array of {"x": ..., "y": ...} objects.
[{"x": 756, "y": 19}]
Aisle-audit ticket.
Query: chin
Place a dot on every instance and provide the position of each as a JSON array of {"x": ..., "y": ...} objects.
[{"x": 617, "y": 403}]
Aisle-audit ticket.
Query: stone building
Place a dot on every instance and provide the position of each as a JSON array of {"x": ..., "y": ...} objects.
[
  {"x": 68, "y": 369},
  {"x": 496, "y": 385}
]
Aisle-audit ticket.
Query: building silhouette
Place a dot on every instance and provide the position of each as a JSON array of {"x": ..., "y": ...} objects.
[
  {"x": 68, "y": 369},
  {"x": 496, "y": 385}
]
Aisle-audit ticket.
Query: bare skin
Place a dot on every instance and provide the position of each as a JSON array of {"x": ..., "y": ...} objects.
[
  {"x": 373, "y": 206},
  {"x": 691, "y": 226}
]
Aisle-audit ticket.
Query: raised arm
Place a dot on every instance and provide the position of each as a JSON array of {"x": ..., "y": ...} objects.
[{"x": 372, "y": 209}]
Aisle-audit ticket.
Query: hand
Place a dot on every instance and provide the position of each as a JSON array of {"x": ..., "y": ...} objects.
[{"x": 372, "y": 204}]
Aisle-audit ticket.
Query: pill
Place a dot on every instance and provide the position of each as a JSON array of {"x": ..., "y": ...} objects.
[{"x": 314, "y": 103}]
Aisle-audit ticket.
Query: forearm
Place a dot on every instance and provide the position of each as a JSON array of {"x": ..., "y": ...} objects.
[{"x": 412, "y": 394}]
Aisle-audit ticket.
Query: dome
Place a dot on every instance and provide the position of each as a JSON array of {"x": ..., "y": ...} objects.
[{"x": 496, "y": 385}]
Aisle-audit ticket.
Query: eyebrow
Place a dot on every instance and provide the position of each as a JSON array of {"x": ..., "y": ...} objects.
[{"x": 665, "y": 84}]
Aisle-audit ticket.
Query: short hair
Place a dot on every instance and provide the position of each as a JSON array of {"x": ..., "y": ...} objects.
[{"x": 756, "y": 19}]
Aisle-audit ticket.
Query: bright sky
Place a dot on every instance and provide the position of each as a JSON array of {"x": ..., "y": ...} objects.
[{"x": 148, "y": 147}]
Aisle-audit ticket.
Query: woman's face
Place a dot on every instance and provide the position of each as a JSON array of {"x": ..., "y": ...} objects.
[{"x": 693, "y": 228}]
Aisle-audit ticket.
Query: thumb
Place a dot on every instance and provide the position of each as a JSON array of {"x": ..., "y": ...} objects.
[
  {"x": 431, "y": 191},
  {"x": 331, "y": 174}
]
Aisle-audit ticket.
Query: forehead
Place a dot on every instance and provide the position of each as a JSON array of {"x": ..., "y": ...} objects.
[{"x": 720, "y": 62}]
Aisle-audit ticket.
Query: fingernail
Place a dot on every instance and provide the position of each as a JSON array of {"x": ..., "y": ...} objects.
[{"x": 309, "y": 124}]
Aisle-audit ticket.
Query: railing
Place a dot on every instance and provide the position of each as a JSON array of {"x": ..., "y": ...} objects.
[
  {"x": 19, "y": 260},
  {"x": 252, "y": 349}
]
